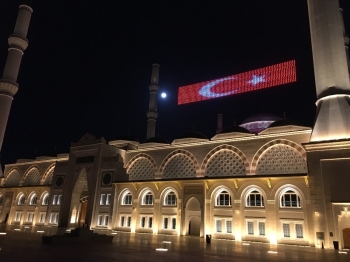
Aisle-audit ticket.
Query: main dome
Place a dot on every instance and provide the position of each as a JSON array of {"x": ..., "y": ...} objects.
[{"x": 258, "y": 122}]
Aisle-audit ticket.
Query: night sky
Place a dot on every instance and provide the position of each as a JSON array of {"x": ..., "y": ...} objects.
[{"x": 88, "y": 67}]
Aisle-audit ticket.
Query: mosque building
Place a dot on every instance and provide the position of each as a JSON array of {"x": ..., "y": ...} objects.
[{"x": 267, "y": 180}]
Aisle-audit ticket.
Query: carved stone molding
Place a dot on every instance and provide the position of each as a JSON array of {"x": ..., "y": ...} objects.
[
  {"x": 8, "y": 88},
  {"x": 18, "y": 41}
]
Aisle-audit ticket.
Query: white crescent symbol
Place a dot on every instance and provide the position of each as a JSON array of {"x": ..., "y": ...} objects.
[{"x": 206, "y": 89}]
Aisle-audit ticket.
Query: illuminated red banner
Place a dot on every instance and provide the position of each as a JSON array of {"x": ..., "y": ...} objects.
[{"x": 269, "y": 76}]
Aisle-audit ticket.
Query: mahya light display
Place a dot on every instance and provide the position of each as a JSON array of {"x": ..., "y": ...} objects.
[{"x": 261, "y": 78}]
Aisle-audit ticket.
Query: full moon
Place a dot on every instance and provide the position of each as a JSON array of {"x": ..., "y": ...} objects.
[{"x": 163, "y": 95}]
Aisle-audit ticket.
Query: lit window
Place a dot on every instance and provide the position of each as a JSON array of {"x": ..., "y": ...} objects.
[
  {"x": 146, "y": 222},
  {"x": 150, "y": 221},
  {"x": 54, "y": 200},
  {"x": 148, "y": 199},
  {"x": 261, "y": 228},
  {"x": 173, "y": 223},
  {"x": 250, "y": 228},
  {"x": 102, "y": 220},
  {"x": 30, "y": 217},
  {"x": 170, "y": 199},
  {"x": 218, "y": 226},
  {"x": 165, "y": 223},
  {"x": 169, "y": 223},
  {"x": 45, "y": 201},
  {"x": 21, "y": 200},
  {"x": 286, "y": 230},
  {"x": 290, "y": 199},
  {"x": 59, "y": 199},
  {"x": 102, "y": 199},
  {"x": 54, "y": 218},
  {"x": 228, "y": 226},
  {"x": 223, "y": 198},
  {"x": 121, "y": 223},
  {"x": 127, "y": 199},
  {"x": 42, "y": 217},
  {"x": 18, "y": 216},
  {"x": 299, "y": 230},
  {"x": 142, "y": 222},
  {"x": 255, "y": 199},
  {"x": 108, "y": 199},
  {"x": 33, "y": 200}
]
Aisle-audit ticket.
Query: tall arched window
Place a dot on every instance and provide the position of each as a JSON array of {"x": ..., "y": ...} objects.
[
  {"x": 45, "y": 201},
  {"x": 170, "y": 199},
  {"x": 21, "y": 200},
  {"x": 147, "y": 198},
  {"x": 290, "y": 198},
  {"x": 255, "y": 198},
  {"x": 127, "y": 198},
  {"x": 33, "y": 199},
  {"x": 223, "y": 198}
]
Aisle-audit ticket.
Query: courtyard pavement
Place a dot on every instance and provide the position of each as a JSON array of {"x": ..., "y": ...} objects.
[{"x": 26, "y": 245}]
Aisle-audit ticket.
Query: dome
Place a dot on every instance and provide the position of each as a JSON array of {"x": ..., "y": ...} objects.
[
  {"x": 235, "y": 129},
  {"x": 157, "y": 140},
  {"x": 261, "y": 117},
  {"x": 127, "y": 138},
  {"x": 258, "y": 122},
  {"x": 285, "y": 122},
  {"x": 193, "y": 134}
]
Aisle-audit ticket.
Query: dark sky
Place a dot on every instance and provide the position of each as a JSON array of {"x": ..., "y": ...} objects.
[{"x": 88, "y": 67}]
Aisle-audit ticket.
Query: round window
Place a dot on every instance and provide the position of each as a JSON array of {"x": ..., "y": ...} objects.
[
  {"x": 59, "y": 181},
  {"x": 107, "y": 178}
]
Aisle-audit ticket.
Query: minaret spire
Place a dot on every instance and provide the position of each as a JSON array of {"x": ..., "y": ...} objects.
[
  {"x": 152, "y": 113},
  {"x": 8, "y": 84},
  {"x": 331, "y": 71}
]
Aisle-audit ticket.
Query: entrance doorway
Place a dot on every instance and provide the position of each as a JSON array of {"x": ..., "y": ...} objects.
[
  {"x": 346, "y": 237},
  {"x": 82, "y": 214},
  {"x": 79, "y": 203},
  {"x": 193, "y": 217}
]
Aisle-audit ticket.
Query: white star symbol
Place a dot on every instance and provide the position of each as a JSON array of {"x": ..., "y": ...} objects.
[{"x": 257, "y": 79}]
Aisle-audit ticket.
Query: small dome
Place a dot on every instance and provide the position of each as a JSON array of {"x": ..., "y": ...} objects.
[
  {"x": 285, "y": 122},
  {"x": 234, "y": 129},
  {"x": 261, "y": 117},
  {"x": 193, "y": 134},
  {"x": 157, "y": 140},
  {"x": 257, "y": 123},
  {"x": 127, "y": 138}
]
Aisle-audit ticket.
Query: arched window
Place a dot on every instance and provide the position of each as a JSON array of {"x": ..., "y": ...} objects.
[
  {"x": 223, "y": 198},
  {"x": 255, "y": 198},
  {"x": 21, "y": 200},
  {"x": 127, "y": 198},
  {"x": 170, "y": 199},
  {"x": 147, "y": 198},
  {"x": 290, "y": 199},
  {"x": 33, "y": 200},
  {"x": 45, "y": 201},
  {"x": 1, "y": 199}
]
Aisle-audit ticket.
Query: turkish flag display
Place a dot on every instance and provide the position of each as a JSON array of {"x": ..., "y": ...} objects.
[{"x": 265, "y": 77}]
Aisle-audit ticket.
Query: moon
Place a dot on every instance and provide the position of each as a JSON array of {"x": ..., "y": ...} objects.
[
  {"x": 163, "y": 95},
  {"x": 206, "y": 89}
]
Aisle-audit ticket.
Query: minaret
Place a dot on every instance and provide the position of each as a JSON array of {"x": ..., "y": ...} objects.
[
  {"x": 152, "y": 113},
  {"x": 331, "y": 71},
  {"x": 8, "y": 84}
]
